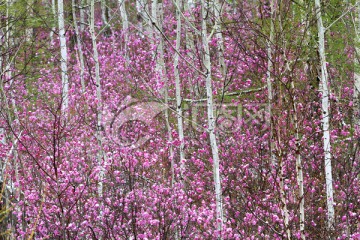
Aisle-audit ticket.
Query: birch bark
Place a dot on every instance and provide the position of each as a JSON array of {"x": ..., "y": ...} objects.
[
  {"x": 82, "y": 14},
  {"x": 219, "y": 37},
  {"x": 12, "y": 117},
  {"x": 190, "y": 47},
  {"x": 280, "y": 159},
  {"x": 178, "y": 89},
  {"x": 125, "y": 25},
  {"x": 325, "y": 107},
  {"x": 211, "y": 118},
  {"x": 63, "y": 51},
  {"x": 103, "y": 12},
  {"x": 30, "y": 14},
  {"x": 299, "y": 168},
  {"x": 99, "y": 135},
  {"x": 299, "y": 165},
  {"x": 156, "y": 14},
  {"x": 270, "y": 43},
  {"x": 141, "y": 8},
  {"x": 53, "y": 28},
  {"x": 79, "y": 47}
]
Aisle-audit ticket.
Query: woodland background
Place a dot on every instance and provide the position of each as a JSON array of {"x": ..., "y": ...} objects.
[{"x": 179, "y": 119}]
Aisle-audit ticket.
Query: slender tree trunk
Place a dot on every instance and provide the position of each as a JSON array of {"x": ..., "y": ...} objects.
[
  {"x": 99, "y": 134},
  {"x": 299, "y": 165},
  {"x": 299, "y": 168},
  {"x": 155, "y": 40},
  {"x": 63, "y": 51},
  {"x": 283, "y": 197},
  {"x": 325, "y": 107},
  {"x": 79, "y": 47},
  {"x": 82, "y": 15},
  {"x": 141, "y": 8},
  {"x": 190, "y": 4},
  {"x": 29, "y": 11},
  {"x": 4, "y": 105},
  {"x": 219, "y": 37},
  {"x": 12, "y": 119},
  {"x": 190, "y": 47},
  {"x": 178, "y": 89},
  {"x": 161, "y": 71},
  {"x": 125, "y": 25},
  {"x": 270, "y": 43},
  {"x": 53, "y": 28},
  {"x": 280, "y": 158},
  {"x": 168, "y": 127},
  {"x": 103, "y": 12},
  {"x": 211, "y": 119},
  {"x": 284, "y": 207}
]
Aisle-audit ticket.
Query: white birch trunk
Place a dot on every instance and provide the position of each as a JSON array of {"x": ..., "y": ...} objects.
[
  {"x": 29, "y": 30},
  {"x": 299, "y": 169},
  {"x": 154, "y": 40},
  {"x": 82, "y": 15},
  {"x": 53, "y": 28},
  {"x": 99, "y": 136},
  {"x": 285, "y": 212},
  {"x": 325, "y": 107},
  {"x": 79, "y": 47},
  {"x": 178, "y": 89},
  {"x": 161, "y": 71},
  {"x": 190, "y": 4},
  {"x": 299, "y": 166},
  {"x": 103, "y": 12},
  {"x": 11, "y": 117},
  {"x": 125, "y": 25},
  {"x": 190, "y": 46},
  {"x": 283, "y": 198},
  {"x": 270, "y": 42},
  {"x": 168, "y": 127},
  {"x": 63, "y": 51},
  {"x": 211, "y": 119},
  {"x": 141, "y": 8},
  {"x": 219, "y": 37}
]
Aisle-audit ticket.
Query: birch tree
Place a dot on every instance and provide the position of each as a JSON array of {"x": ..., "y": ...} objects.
[
  {"x": 219, "y": 37},
  {"x": 299, "y": 164},
  {"x": 178, "y": 88},
  {"x": 79, "y": 46},
  {"x": 53, "y": 28},
  {"x": 155, "y": 40},
  {"x": 63, "y": 60},
  {"x": 270, "y": 43},
  {"x": 299, "y": 168},
  {"x": 82, "y": 14},
  {"x": 142, "y": 15},
  {"x": 99, "y": 136},
  {"x": 279, "y": 159},
  {"x": 285, "y": 211},
  {"x": 325, "y": 107},
  {"x": 30, "y": 14},
  {"x": 103, "y": 12},
  {"x": 211, "y": 118},
  {"x": 125, "y": 26},
  {"x": 190, "y": 46},
  {"x": 160, "y": 69},
  {"x": 10, "y": 113}
]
